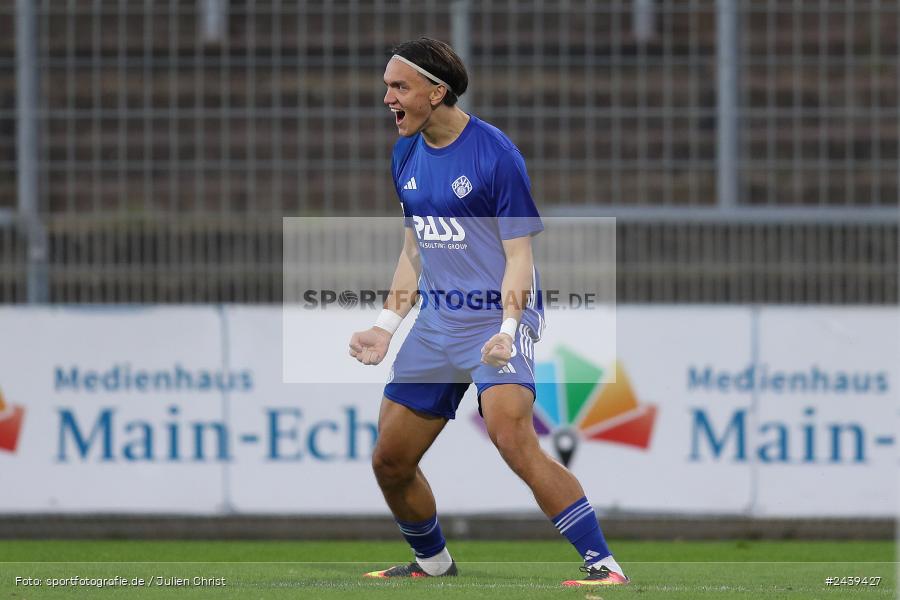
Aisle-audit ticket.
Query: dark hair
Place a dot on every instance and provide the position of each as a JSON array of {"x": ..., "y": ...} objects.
[{"x": 440, "y": 60}]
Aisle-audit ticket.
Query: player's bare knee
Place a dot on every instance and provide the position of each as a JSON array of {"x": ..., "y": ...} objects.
[{"x": 391, "y": 471}]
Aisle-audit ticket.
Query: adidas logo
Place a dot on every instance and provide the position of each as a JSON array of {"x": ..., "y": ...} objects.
[
  {"x": 411, "y": 184},
  {"x": 590, "y": 556},
  {"x": 508, "y": 368}
]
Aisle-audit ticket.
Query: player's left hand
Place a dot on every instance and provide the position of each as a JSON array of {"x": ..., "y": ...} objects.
[
  {"x": 370, "y": 346},
  {"x": 497, "y": 351}
]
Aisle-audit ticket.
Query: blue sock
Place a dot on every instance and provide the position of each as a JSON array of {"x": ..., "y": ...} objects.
[
  {"x": 579, "y": 524},
  {"x": 425, "y": 537}
]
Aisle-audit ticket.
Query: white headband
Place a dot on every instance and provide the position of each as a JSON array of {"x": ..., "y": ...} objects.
[{"x": 424, "y": 72}]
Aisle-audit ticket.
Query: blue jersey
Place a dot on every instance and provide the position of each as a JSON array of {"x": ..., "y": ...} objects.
[{"x": 462, "y": 201}]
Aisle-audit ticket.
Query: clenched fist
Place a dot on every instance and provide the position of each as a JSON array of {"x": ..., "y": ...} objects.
[
  {"x": 497, "y": 351},
  {"x": 370, "y": 346}
]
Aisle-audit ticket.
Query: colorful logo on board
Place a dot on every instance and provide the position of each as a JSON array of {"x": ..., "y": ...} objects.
[
  {"x": 574, "y": 404},
  {"x": 10, "y": 425}
]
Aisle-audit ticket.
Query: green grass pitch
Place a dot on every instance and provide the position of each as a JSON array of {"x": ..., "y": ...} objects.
[{"x": 489, "y": 570}]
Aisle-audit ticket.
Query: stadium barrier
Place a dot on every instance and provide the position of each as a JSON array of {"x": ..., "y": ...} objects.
[
  {"x": 739, "y": 412},
  {"x": 532, "y": 526}
]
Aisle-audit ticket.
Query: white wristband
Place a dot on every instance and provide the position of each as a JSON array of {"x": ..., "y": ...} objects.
[
  {"x": 509, "y": 327},
  {"x": 389, "y": 321}
]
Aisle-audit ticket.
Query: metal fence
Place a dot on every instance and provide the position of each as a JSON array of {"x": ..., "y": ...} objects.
[
  {"x": 819, "y": 113},
  {"x": 171, "y": 137}
]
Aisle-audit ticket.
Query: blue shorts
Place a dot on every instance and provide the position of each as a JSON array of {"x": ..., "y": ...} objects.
[{"x": 433, "y": 369}]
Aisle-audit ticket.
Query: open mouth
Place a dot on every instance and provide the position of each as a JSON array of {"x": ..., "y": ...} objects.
[{"x": 398, "y": 115}]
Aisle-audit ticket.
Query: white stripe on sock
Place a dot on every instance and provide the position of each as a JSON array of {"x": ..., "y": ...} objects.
[
  {"x": 565, "y": 519},
  {"x": 582, "y": 516},
  {"x": 408, "y": 532},
  {"x": 575, "y": 517}
]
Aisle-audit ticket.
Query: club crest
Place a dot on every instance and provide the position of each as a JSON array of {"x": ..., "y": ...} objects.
[{"x": 462, "y": 186}]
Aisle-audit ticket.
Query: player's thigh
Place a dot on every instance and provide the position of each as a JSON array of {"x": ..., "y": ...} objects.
[
  {"x": 507, "y": 410},
  {"x": 404, "y": 434}
]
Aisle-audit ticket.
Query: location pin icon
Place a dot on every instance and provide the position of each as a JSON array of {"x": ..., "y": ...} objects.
[{"x": 565, "y": 442}]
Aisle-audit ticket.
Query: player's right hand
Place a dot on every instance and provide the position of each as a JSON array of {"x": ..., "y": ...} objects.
[{"x": 370, "y": 346}]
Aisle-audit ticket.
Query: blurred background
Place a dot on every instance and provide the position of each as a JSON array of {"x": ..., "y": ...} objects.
[{"x": 748, "y": 151}]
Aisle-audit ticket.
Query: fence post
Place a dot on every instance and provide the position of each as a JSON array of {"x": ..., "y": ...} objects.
[
  {"x": 26, "y": 151},
  {"x": 727, "y": 57},
  {"x": 461, "y": 42}
]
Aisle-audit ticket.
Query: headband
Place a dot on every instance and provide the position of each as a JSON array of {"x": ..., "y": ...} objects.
[{"x": 424, "y": 72}]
